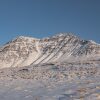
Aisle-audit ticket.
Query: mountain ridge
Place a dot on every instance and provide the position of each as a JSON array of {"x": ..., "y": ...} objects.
[{"x": 62, "y": 47}]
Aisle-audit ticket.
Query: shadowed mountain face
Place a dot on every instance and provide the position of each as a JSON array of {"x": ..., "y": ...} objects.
[{"x": 61, "y": 48}]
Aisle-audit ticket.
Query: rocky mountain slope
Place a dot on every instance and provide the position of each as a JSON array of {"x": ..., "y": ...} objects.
[{"x": 63, "y": 47}]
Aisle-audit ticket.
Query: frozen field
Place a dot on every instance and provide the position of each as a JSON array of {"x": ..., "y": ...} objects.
[
  {"x": 50, "y": 82},
  {"x": 26, "y": 89}
]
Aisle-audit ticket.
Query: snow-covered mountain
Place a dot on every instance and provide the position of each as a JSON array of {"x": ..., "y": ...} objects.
[
  {"x": 61, "y": 67},
  {"x": 63, "y": 47}
]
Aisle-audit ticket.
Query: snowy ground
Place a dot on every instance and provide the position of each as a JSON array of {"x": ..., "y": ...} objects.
[
  {"x": 70, "y": 81},
  {"x": 27, "y": 89}
]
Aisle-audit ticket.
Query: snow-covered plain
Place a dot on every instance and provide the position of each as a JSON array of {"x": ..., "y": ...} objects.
[
  {"x": 71, "y": 81},
  {"x": 20, "y": 89}
]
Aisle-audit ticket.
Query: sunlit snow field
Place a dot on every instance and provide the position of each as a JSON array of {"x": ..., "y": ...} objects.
[
  {"x": 20, "y": 84},
  {"x": 26, "y": 89}
]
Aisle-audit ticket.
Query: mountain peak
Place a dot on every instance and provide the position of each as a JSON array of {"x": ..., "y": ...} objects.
[
  {"x": 64, "y": 34},
  {"x": 24, "y": 38},
  {"x": 62, "y": 47}
]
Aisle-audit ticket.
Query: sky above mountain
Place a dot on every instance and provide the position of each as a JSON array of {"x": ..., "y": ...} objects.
[{"x": 42, "y": 18}]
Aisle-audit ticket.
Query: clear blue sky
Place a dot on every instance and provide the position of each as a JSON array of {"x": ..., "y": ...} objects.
[{"x": 42, "y": 18}]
